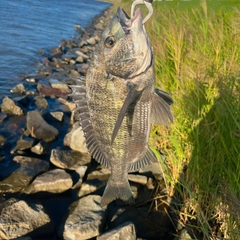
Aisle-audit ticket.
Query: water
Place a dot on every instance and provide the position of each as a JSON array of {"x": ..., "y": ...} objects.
[{"x": 29, "y": 25}]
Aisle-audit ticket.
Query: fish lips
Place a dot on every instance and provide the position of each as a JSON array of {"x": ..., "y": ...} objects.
[{"x": 128, "y": 23}]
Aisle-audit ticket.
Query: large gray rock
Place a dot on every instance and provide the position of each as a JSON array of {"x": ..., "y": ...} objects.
[
  {"x": 20, "y": 172},
  {"x": 125, "y": 231},
  {"x": 54, "y": 181},
  {"x": 8, "y": 106},
  {"x": 41, "y": 102},
  {"x": 86, "y": 220},
  {"x": 75, "y": 139},
  {"x": 138, "y": 178},
  {"x": 39, "y": 128},
  {"x": 100, "y": 173},
  {"x": 91, "y": 186},
  {"x": 58, "y": 84},
  {"x": 19, "y": 88},
  {"x": 23, "y": 144},
  {"x": 69, "y": 159},
  {"x": 19, "y": 218}
]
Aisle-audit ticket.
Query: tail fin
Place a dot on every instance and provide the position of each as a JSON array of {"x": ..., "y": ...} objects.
[{"x": 114, "y": 191}]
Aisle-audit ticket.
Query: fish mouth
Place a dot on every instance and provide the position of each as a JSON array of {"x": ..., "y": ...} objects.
[{"x": 127, "y": 22}]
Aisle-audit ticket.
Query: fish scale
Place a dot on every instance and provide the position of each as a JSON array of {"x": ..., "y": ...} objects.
[{"x": 118, "y": 102}]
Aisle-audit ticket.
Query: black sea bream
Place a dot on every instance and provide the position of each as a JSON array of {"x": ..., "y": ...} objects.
[{"x": 118, "y": 103}]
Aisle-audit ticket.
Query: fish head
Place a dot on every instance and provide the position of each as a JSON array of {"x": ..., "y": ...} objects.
[{"x": 124, "y": 47}]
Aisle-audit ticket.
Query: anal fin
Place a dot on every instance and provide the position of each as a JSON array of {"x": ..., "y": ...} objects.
[{"x": 146, "y": 159}]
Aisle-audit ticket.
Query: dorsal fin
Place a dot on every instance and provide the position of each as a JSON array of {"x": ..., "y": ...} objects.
[
  {"x": 79, "y": 97},
  {"x": 161, "y": 112}
]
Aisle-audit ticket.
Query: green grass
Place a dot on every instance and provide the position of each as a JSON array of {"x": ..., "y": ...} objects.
[{"x": 197, "y": 59}]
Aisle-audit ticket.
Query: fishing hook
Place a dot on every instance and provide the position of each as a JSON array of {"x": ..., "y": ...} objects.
[{"x": 148, "y": 4}]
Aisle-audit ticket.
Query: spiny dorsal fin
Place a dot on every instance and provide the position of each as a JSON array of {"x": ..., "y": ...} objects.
[
  {"x": 93, "y": 145},
  {"x": 161, "y": 112}
]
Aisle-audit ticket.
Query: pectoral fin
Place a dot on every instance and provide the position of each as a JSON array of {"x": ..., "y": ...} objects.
[
  {"x": 161, "y": 112},
  {"x": 133, "y": 94}
]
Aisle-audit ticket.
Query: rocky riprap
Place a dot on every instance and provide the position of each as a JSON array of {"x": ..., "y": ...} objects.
[{"x": 50, "y": 187}]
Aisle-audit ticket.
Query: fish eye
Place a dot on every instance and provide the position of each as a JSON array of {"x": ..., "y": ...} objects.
[{"x": 109, "y": 42}]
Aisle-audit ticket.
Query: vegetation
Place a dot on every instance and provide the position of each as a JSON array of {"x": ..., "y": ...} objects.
[{"x": 197, "y": 60}]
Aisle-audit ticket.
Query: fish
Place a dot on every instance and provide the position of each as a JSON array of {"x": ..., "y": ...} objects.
[{"x": 118, "y": 102}]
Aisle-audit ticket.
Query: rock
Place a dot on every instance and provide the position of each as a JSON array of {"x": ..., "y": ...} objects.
[
  {"x": 20, "y": 172},
  {"x": 70, "y": 105},
  {"x": 99, "y": 26},
  {"x": 72, "y": 62},
  {"x": 3, "y": 116},
  {"x": 90, "y": 186},
  {"x": 3, "y": 141},
  {"x": 82, "y": 68},
  {"x": 74, "y": 74},
  {"x": 54, "y": 181},
  {"x": 148, "y": 224},
  {"x": 54, "y": 117},
  {"x": 49, "y": 91},
  {"x": 39, "y": 128},
  {"x": 81, "y": 172},
  {"x": 31, "y": 79},
  {"x": 8, "y": 106},
  {"x": 137, "y": 179},
  {"x": 155, "y": 169},
  {"x": 184, "y": 235},
  {"x": 23, "y": 144},
  {"x": 19, "y": 218},
  {"x": 86, "y": 220},
  {"x": 41, "y": 148},
  {"x": 101, "y": 173},
  {"x": 69, "y": 159},
  {"x": 79, "y": 59},
  {"x": 92, "y": 41},
  {"x": 57, "y": 115},
  {"x": 81, "y": 54},
  {"x": 75, "y": 139},
  {"x": 41, "y": 102},
  {"x": 18, "y": 89},
  {"x": 125, "y": 231},
  {"x": 58, "y": 84}
]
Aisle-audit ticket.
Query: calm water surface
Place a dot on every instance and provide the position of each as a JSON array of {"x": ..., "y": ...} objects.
[{"x": 29, "y": 25}]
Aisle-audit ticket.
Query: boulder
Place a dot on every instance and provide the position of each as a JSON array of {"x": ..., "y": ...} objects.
[
  {"x": 125, "y": 231},
  {"x": 58, "y": 84},
  {"x": 20, "y": 218},
  {"x": 69, "y": 159},
  {"x": 19, "y": 88},
  {"x": 86, "y": 220},
  {"x": 41, "y": 148},
  {"x": 54, "y": 181},
  {"x": 75, "y": 139},
  {"x": 8, "y": 106},
  {"x": 41, "y": 102},
  {"x": 19, "y": 173},
  {"x": 39, "y": 128},
  {"x": 23, "y": 144}
]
